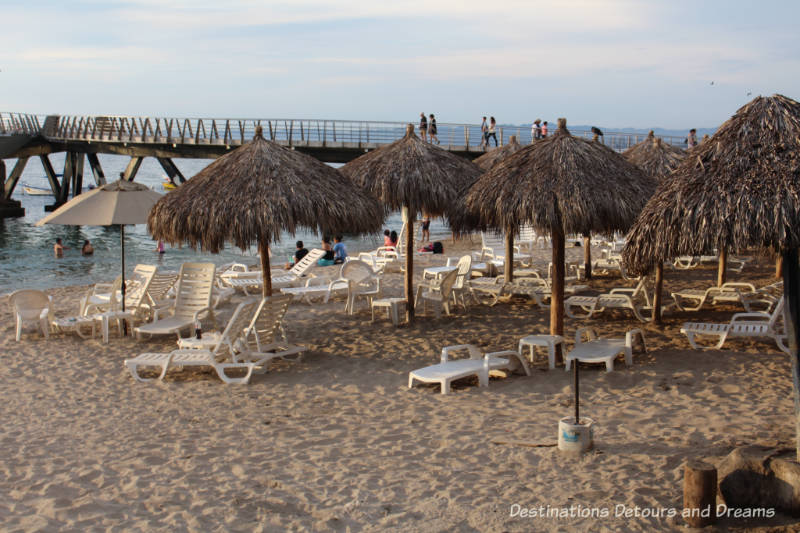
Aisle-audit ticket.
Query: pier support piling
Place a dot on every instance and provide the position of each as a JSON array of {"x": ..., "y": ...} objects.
[{"x": 132, "y": 168}]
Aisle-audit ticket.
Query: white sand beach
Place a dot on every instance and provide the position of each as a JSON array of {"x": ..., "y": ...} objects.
[{"x": 337, "y": 442}]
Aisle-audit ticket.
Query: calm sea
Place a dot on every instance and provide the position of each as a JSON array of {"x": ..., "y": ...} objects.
[{"x": 26, "y": 252}]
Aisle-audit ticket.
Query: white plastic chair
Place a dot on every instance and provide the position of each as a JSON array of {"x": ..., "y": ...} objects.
[
  {"x": 32, "y": 307},
  {"x": 437, "y": 292},
  {"x": 605, "y": 351},
  {"x": 361, "y": 283}
]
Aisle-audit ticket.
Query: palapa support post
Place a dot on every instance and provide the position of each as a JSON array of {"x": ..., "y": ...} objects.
[
  {"x": 122, "y": 287},
  {"x": 699, "y": 493},
  {"x": 577, "y": 386},
  {"x": 791, "y": 296},
  {"x": 508, "y": 267},
  {"x": 587, "y": 256},
  {"x": 557, "y": 286},
  {"x": 409, "y": 277},
  {"x": 723, "y": 266},
  {"x": 779, "y": 267},
  {"x": 266, "y": 286},
  {"x": 659, "y": 285}
]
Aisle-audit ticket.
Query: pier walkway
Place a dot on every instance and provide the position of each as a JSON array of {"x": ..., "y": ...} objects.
[{"x": 335, "y": 141}]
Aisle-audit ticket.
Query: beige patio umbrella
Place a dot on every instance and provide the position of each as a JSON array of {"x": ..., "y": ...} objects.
[
  {"x": 737, "y": 190},
  {"x": 657, "y": 159},
  {"x": 113, "y": 204},
  {"x": 414, "y": 175},
  {"x": 256, "y": 192}
]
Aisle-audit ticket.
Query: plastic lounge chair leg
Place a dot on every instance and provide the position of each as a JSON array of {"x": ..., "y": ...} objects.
[
  {"x": 551, "y": 355},
  {"x": 220, "y": 368},
  {"x": 19, "y": 328},
  {"x": 610, "y": 365},
  {"x": 445, "y": 386}
]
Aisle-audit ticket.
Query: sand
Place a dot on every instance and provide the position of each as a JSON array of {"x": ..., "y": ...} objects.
[{"x": 337, "y": 441}]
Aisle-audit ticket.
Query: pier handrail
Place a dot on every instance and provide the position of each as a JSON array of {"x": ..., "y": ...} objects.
[{"x": 291, "y": 132}]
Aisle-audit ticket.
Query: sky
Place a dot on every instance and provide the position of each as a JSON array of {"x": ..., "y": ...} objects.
[{"x": 613, "y": 63}]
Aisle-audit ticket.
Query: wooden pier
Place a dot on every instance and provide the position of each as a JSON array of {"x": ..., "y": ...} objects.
[{"x": 23, "y": 136}]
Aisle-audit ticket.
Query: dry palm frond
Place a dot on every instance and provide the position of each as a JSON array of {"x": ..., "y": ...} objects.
[
  {"x": 739, "y": 189},
  {"x": 561, "y": 182},
  {"x": 256, "y": 192},
  {"x": 654, "y": 157}
]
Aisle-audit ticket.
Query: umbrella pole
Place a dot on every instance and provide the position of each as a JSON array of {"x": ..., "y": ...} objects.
[
  {"x": 508, "y": 268},
  {"x": 577, "y": 387},
  {"x": 409, "y": 278},
  {"x": 587, "y": 256},
  {"x": 659, "y": 283},
  {"x": 557, "y": 286},
  {"x": 791, "y": 295},
  {"x": 723, "y": 266},
  {"x": 266, "y": 286},
  {"x": 122, "y": 243}
]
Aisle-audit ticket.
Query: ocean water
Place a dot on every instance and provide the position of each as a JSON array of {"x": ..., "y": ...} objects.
[{"x": 26, "y": 252}]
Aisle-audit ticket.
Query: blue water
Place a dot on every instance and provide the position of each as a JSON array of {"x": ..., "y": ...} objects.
[{"x": 26, "y": 252}]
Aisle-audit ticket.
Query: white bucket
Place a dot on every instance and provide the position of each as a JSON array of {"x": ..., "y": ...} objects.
[{"x": 575, "y": 438}]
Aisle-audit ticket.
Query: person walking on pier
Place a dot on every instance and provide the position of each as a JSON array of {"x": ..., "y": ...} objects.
[
  {"x": 491, "y": 132},
  {"x": 484, "y": 133},
  {"x": 536, "y": 129},
  {"x": 423, "y": 127},
  {"x": 544, "y": 129},
  {"x": 433, "y": 130},
  {"x": 692, "y": 139}
]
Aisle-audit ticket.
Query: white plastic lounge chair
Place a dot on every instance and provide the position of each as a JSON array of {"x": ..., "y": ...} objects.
[
  {"x": 756, "y": 324},
  {"x": 265, "y": 339},
  {"x": 32, "y": 307},
  {"x": 693, "y": 299},
  {"x": 361, "y": 283},
  {"x": 596, "y": 350},
  {"x": 477, "y": 364},
  {"x": 494, "y": 246},
  {"x": 322, "y": 288},
  {"x": 159, "y": 291},
  {"x": 219, "y": 356},
  {"x": 635, "y": 299},
  {"x": 192, "y": 301},
  {"x": 135, "y": 298},
  {"x": 438, "y": 292},
  {"x": 254, "y": 279},
  {"x": 101, "y": 297}
]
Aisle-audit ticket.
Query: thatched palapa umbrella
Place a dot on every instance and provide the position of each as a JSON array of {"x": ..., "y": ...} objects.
[
  {"x": 657, "y": 160},
  {"x": 256, "y": 192},
  {"x": 486, "y": 162},
  {"x": 560, "y": 185},
  {"x": 413, "y": 175},
  {"x": 739, "y": 189}
]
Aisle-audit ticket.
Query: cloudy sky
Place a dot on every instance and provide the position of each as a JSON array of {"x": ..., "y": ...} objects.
[{"x": 613, "y": 63}]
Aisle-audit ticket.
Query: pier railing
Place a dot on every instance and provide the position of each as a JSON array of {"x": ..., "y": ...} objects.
[
  {"x": 20, "y": 124},
  {"x": 290, "y": 132}
]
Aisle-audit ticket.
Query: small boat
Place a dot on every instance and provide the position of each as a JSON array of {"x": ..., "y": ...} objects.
[
  {"x": 167, "y": 184},
  {"x": 36, "y": 191}
]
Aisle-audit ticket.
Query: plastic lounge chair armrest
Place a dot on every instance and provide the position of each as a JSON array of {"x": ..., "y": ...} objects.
[
  {"x": 623, "y": 290},
  {"x": 591, "y": 335},
  {"x": 473, "y": 351},
  {"x": 754, "y": 314},
  {"x": 631, "y": 335},
  {"x": 197, "y": 313}
]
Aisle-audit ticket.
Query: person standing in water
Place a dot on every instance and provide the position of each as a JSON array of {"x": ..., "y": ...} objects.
[
  {"x": 87, "y": 249},
  {"x": 58, "y": 248}
]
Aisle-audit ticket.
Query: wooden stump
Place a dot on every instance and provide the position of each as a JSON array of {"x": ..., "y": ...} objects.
[{"x": 699, "y": 493}]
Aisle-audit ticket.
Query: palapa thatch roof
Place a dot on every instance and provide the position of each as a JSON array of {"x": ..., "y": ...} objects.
[
  {"x": 257, "y": 191},
  {"x": 412, "y": 173},
  {"x": 655, "y": 158},
  {"x": 488, "y": 160},
  {"x": 563, "y": 182},
  {"x": 738, "y": 189}
]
